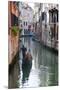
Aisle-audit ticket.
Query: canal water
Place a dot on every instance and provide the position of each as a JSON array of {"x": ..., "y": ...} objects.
[{"x": 44, "y": 70}]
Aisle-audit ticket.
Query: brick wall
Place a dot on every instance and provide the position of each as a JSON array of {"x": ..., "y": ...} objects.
[{"x": 12, "y": 40}]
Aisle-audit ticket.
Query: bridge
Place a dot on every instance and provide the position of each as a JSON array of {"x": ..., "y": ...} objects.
[{"x": 26, "y": 35}]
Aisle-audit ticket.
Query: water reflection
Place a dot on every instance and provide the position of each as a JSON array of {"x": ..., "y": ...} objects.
[
  {"x": 14, "y": 76},
  {"x": 26, "y": 68},
  {"x": 44, "y": 70}
]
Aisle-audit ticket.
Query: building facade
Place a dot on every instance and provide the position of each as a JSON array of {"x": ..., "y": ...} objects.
[
  {"x": 46, "y": 24},
  {"x": 26, "y": 17},
  {"x": 13, "y": 14}
]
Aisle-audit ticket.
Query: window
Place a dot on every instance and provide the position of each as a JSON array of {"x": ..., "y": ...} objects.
[
  {"x": 24, "y": 23},
  {"x": 42, "y": 16},
  {"x": 21, "y": 25},
  {"x": 53, "y": 15},
  {"x": 14, "y": 20}
]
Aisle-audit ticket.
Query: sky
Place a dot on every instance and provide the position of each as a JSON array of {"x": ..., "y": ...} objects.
[{"x": 31, "y": 5}]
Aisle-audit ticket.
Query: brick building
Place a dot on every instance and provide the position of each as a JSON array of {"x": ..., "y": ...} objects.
[{"x": 13, "y": 14}]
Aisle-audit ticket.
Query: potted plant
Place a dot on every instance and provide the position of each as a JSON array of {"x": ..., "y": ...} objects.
[
  {"x": 20, "y": 30},
  {"x": 15, "y": 30}
]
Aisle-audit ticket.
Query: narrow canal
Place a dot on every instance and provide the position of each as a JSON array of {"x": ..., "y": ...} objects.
[{"x": 44, "y": 71}]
